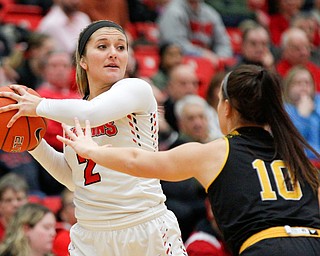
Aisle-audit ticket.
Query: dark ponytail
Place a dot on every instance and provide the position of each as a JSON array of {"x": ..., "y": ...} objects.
[{"x": 257, "y": 95}]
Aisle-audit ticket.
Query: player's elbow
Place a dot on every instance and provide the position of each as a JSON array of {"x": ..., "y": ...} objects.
[{"x": 135, "y": 165}]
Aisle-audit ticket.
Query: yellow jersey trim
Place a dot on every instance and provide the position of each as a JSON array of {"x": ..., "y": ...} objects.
[{"x": 224, "y": 163}]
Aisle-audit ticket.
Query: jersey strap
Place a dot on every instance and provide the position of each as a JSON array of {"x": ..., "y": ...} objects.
[{"x": 284, "y": 231}]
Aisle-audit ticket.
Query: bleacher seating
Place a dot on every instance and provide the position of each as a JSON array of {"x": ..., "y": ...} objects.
[
  {"x": 235, "y": 36},
  {"x": 27, "y": 16},
  {"x": 147, "y": 32},
  {"x": 52, "y": 202},
  {"x": 147, "y": 58}
]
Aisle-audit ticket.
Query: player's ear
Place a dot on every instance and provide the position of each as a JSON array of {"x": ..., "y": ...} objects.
[
  {"x": 83, "y": 63},
  {"x": 227, "y": 108}
]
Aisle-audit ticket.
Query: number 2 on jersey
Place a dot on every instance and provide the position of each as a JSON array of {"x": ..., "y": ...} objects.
[
  {"x": 89, "y": 176},
  {"x": 277, "y": 168}
]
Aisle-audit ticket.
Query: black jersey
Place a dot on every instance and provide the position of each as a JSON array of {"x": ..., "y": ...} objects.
[{"x": 252, "y": 192}]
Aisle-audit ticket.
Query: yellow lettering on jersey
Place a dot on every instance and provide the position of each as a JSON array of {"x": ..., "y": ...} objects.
[
  {"x": 267, "y": 193},
  {"x": 277, "y": 167},
  {"x": 293, "y": 194}
]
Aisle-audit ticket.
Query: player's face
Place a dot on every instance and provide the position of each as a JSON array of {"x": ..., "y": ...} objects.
[{"x": 106, "y": 57}]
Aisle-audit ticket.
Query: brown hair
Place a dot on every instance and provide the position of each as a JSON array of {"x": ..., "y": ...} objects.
[
  {"x": 256, "y": 94},
  {"x": 84, "y": 37}
]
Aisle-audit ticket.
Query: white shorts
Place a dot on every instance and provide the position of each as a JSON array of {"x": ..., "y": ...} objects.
[{"x": 159, "y": 236}]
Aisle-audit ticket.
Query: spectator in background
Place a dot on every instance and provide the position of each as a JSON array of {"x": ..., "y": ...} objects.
[
  {"x": 307, "y": 23},
  {"x": 235, "y": 11},
  {"x": 31, "y": 232},
  {"x": 66, "y": 218},
  {"x": 303, "y": 105},
  {"x": 63, "y": 23},
  {"x": 13, "y": 41},
  {"x": 57, "y": 79},
  {"x": 255, "y": 47},
  {"x": 30, "y": 70},
  {"x": 192, "y": 118},
  {"x": 197, "y": 27},
  {"x": 207, "y": 240},
  {"x": 182, "y": 81},
  {"x": 280, "y": 21},
  {"x": 170, "y": 56},
  {"x": 115, "y": 10},
  {"x": 13, "y": 194},
  {"x": 296, "y": 51}
]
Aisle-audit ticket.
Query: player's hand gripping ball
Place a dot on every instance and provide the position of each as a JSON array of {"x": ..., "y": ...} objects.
[{"x": 26, "y": 133}]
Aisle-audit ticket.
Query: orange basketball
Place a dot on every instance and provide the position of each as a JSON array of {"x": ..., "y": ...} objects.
[{"x": 25, "y": 134}]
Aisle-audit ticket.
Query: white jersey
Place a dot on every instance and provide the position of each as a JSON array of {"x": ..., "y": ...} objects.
[{"x": 124, "y": 116}]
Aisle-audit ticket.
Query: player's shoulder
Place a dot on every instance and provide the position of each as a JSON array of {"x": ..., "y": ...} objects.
[
  {"x": 137, "y": 84},
  {"x": 133, "y": 81}
]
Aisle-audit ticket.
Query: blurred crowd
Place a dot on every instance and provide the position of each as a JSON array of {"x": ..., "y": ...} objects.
[{"x": 183, "y": 48}]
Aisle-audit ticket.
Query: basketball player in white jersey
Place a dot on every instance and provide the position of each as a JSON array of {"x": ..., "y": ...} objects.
[{"x": 117, "y": 214}]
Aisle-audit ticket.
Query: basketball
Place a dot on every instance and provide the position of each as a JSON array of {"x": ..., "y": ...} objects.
[{"x": 26, "y": 133}]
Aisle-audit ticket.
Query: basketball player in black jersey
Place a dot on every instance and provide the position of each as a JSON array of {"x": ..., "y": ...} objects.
[{"x": 262, "y": 187}]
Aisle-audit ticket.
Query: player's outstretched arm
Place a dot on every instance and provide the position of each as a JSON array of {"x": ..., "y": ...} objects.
[
  {"x": 183, "y": 162},
  {"x": 137, "y": 162},
  {"x": 26, "y": 103}
]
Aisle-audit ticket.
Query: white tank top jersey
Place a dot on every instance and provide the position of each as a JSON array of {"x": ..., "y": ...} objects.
[{"x": 124, "y": 116}]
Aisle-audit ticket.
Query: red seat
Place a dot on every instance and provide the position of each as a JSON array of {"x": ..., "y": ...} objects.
[
  {"x": 52, "y": 202},
  {"x": 235, "y": 35},
  {"x": 148, "y": 59},
  {"x": 205, "y": 71},
  {"x": 28, "y": 16},
  {"x": 316, "y": 163},
  {"x": 226, "y": 63},
  {"x": 148, "y": 31},
  {"x": 34, "y": 199}
]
